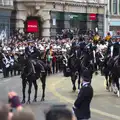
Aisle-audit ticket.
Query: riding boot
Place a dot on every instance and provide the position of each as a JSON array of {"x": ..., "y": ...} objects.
[
  {"x": 33, "y": 67},
  {"x": 42, "y": 68}
]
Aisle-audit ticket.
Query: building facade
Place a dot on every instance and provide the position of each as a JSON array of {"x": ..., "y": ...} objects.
[
  {"x": 114, "y": 15},
  {"x": 6, "y": 6},
  {"x": 48, "y": 17}
]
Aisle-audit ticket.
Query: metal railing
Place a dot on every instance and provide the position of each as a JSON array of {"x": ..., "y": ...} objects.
[{"x": 6, "y": 2}]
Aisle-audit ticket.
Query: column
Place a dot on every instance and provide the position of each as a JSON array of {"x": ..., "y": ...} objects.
[
  {"x": 118, "y": 5},
  {"x": 45, "y": 14},
  {"x": 20, "y": 18}
]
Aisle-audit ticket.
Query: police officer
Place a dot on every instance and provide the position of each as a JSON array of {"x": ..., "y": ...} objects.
[{"x": 82, "y": 104}]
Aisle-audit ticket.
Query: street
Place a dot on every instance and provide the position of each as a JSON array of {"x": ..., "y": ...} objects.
[{"x": 105, "y": 105}]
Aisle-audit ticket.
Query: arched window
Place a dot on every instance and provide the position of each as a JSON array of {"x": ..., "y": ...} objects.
[{"x": 114, "y": 6}]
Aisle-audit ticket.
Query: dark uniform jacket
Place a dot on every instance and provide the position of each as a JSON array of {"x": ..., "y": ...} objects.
[
  {"x": 33, "y": 54},
  {"x": 82, "y": 103},
  {"x": 116, "y": 49}
]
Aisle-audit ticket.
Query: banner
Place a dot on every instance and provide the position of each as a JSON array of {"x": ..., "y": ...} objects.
[
  {"x": 92, "y": 16},
  {"x": 32, "y": 26}
]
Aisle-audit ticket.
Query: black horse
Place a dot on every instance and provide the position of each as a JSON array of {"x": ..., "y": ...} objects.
[
  {"x": 29, "y": 76},
  {"x": 78, "y": 65},
  {"x": 105, "y": 67},
  {"x": 115, "y": 73}
]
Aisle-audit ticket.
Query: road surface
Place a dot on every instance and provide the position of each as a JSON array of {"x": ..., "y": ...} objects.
[{"x": 105, "y": 105}]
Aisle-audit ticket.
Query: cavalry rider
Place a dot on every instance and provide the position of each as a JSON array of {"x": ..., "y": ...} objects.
[
  {"x": 96, "y": 38},
  {"x": 108, "y": 37},
  {"x": 115, "y": 48},
  {"x": 32, "y": 53}
]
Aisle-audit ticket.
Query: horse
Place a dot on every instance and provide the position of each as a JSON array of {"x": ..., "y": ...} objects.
[
  {"x": 29, "y": 76},
  {"x": 79, "y": 64},
  {"x": 74, "y": 65},
  {"x": 115, "y": 74},
  {"x": 105, "y": 70}
]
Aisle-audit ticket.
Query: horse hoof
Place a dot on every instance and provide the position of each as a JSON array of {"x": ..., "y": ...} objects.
[
  {"x": 118, "y": 94},
  {"x": 107, "y": 88},
  {"x": 96, "y": 73},
  {"x": 23, "y": 101},
  {"x": 28, "y": 102},
  {"x": 34, "y": 100},
  {"x": 74, "y": 89},
  {"x": 42, "y": 99}
]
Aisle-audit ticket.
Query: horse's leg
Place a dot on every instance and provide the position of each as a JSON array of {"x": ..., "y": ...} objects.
[
  {"x": 36, "y": 90},
  {"x": 79, "y": 80},
  {"x": 29, "y": 91},
  {"x": 118, "y": 87},
  {"x": 43, "y": 80},
  {"x": 24, "y": 82},
  {"x": 73, "y": 81},
  {"x": 110, "y": 83},
  {"x": 107, "y": 83},
  {"x": 114, "y": 83},
  {"x": 11, "y": 71}
]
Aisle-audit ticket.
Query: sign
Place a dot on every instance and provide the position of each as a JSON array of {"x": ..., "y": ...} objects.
[
  {"x": 92, "y": 16},
  {"x": 32, "y": 26}
]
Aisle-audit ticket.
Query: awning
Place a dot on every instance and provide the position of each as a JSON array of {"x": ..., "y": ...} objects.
[{"x": 114, "y": 23}]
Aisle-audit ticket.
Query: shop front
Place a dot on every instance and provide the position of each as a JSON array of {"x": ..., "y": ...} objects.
[
  {"x": 81, "y": 21},
  {"x": 33, "y": 25},
  {"x": 4, "y": 24},
  {"x": 114, "y": 26}
]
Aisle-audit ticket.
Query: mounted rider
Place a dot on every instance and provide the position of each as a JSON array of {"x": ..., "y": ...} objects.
[
  {"x": 115, "y": 48},
  {"x": 33, "y": 54},
  {"x": 108, "y": 37}
]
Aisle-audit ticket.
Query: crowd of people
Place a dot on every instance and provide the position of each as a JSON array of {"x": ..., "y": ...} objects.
[{"x": 51, "y": 52}]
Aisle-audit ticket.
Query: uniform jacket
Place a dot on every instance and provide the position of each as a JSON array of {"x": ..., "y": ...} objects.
[
  {"x": 116, "y": 49},
  {"x": 82, "y": 103},
  {"x": 33, "y": 54}
]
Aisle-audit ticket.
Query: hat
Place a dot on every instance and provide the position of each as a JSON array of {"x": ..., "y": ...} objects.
[
  {"x": 30, "y": 41},
  {"x": 86, "y": 75}
]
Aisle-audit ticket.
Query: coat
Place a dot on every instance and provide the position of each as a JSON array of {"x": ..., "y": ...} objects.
[{"x": 82, "y": 103}]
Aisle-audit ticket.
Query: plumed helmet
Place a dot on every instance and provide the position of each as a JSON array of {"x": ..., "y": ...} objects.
[
  {"x": 20, "y": 48},
  {"x": 4, "y": 49},
  {"x": 8, "y": 49},
  {"x": 16, "y": 50}
]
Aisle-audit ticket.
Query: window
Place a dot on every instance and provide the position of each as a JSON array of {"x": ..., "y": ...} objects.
[
  {"x": 114, "y": 6},
  {"x": 119, "y": 6},
  {"x": 110, "y": 6}
]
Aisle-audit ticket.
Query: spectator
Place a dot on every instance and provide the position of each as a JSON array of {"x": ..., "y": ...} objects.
[
  {"x": 59, "y": 113},
  {"x": 23, "y": 115},
  {"x": 14, "y": 101},
  {"x": 4, "y": 112},
  {"x": 82, "y": 104}
]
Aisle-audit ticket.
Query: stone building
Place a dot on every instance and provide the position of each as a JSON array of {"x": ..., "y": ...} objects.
[
  {"x": 48, "y": 17},
  {"x": 6, "y": 6},
  {"x": 114, "y": 15}
]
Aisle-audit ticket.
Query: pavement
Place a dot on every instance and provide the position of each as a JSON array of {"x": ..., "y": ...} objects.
[{"x": 105, "y": 105}]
